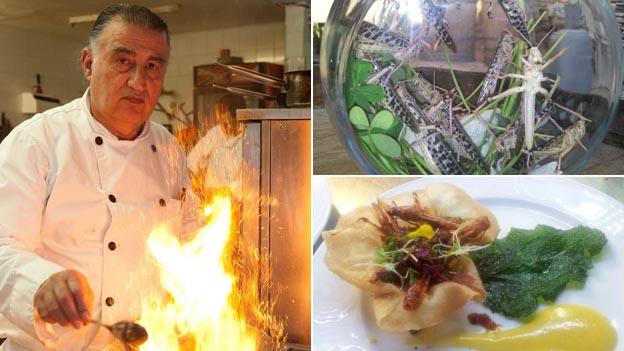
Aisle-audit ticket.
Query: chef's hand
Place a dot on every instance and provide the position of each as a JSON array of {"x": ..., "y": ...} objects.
[{"x": 64, "y": 298}]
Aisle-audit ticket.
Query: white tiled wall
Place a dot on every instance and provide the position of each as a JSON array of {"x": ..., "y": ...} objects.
[
  {"x": 23, "y": 54},
  {"x": 297, "y": 38},
  {"x": 260, "y": 42}
]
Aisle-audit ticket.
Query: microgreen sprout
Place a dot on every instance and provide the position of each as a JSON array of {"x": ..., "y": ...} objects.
[{"x": 456, "y": 248}]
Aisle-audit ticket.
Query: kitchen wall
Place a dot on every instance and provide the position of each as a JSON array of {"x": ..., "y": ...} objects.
[
  {"x": 297, "y": 38},
  {"x": 25, "y": 53},
  {"x": 261, "y": 42}
]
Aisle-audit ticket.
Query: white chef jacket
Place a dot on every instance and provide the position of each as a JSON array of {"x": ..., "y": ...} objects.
[
  {"x": 223, "y": 156},
  {"x": 73, "y": 196}
]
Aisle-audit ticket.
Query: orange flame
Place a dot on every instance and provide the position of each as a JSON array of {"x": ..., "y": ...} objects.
[{"x": 206, "y": 309}]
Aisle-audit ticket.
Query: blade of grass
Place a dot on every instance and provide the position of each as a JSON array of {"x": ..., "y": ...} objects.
[
  {"x": 552, "y": 48},
  {"x": 511, "y": 163},
  {"x": 478, "y": 88},
  {"x": 537, "y": 22},
  {"x": 374, "y": 158},
  {"x": 414, "y": 158},
  {"x": 450, "y": 66},
  {"x": 552, "y": 91},
  {"x": 510, "y": 101}
]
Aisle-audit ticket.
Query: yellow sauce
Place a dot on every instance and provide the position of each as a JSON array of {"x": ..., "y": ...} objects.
[{"x": 556, "y": 328}]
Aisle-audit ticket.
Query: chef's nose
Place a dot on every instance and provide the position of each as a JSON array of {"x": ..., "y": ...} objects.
[{"x": 137, "y": 80}]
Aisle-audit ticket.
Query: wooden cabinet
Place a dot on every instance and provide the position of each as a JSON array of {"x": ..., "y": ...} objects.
[{"x": 277, "y": 150}]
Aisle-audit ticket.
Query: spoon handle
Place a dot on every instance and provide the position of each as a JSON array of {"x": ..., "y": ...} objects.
[{"x": 101, "y": 324}]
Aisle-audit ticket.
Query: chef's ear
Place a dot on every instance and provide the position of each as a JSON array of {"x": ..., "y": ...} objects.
[{"x": 86, "y": 62}]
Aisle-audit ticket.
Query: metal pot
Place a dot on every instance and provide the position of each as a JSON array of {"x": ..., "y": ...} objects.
[{"x": 298, "y": 88}]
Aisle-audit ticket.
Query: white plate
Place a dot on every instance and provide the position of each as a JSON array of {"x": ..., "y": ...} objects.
[
  {"x": 321, "y": 206},
  {"x": 342, "y": 315}
]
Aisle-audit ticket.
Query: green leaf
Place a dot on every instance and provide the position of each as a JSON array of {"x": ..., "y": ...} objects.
[
  {"x": 529, "y": 266},
  {"x": 358, "y": 118},
  {"x": 396, "y": 129},
  {"x": 386, "y": 145},
  {"x": 360, "y": 99},
  {"x": 360, "y": 71},
  {"x": 372, "y": 93},
  {"x": 402, "y": 73},
  {"x": 364, "y": 96},
  {"x": 383, "y": 120}
]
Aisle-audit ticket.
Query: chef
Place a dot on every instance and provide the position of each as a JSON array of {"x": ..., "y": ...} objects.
[{"x": 82, "y": 186}]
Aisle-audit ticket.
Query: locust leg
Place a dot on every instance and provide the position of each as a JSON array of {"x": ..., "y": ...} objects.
[
  {"x": 384, "y": 72},
  {"x": 562, "y": 155},
  {"x": 574, "y": 113},
  {"x": 514, "y": 76},
  {"x": 550, "y": 80},
  {"x": 554, "y": 58},
  {"x": 541, "y": 120},
  {"x": 544, "y": 92},
  {"x": 506, "y": 93},
  {"x": 583, "y": 146}
]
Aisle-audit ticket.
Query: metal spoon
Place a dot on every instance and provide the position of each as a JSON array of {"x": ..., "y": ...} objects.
[{"x": 127, "y": 332}]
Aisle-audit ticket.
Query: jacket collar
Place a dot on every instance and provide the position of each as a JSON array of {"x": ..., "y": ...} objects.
[{"x": 96, "y": 128}]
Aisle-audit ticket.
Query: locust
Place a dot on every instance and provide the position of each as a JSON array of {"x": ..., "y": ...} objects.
[
  {"x": 435, "y": 16},
  {"x": 507, "y": 144},
  {"x": 372, "y": 34},
  {"x": 438, "y": 155},
  {"x": 443, "y": 115},
  {"x": 517, "y": 18},
  {"x": 562, "y": 144},
  {"x": 373, "y": 41},
  {"x": 532, "y": 78},
  {"x": 422, "y": 90},
  {"x": 501, "y": 57},
  {"x": 376, "y": 40}
]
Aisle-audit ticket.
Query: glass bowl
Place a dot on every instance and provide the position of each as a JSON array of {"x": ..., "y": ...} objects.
[{"x": 471, "y": 87}]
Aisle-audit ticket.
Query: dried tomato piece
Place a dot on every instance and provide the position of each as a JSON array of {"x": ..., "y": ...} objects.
[{"x": 483, "y": 320}]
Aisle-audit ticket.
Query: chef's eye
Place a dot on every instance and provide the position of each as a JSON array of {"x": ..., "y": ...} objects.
[
  {"x": 124, "y": 64},
  {"x": 154, "y": 70},
  {"x": 153, "y": 67}
]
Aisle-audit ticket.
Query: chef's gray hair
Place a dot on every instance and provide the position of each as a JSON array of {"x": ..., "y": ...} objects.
[{"x": 132, "y": 14}]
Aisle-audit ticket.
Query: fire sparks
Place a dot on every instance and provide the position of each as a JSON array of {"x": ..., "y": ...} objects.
[{"x": 205, "y": 307}]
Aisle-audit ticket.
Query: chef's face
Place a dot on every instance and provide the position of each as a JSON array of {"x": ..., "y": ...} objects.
[{"x": 125, "y": 70}]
